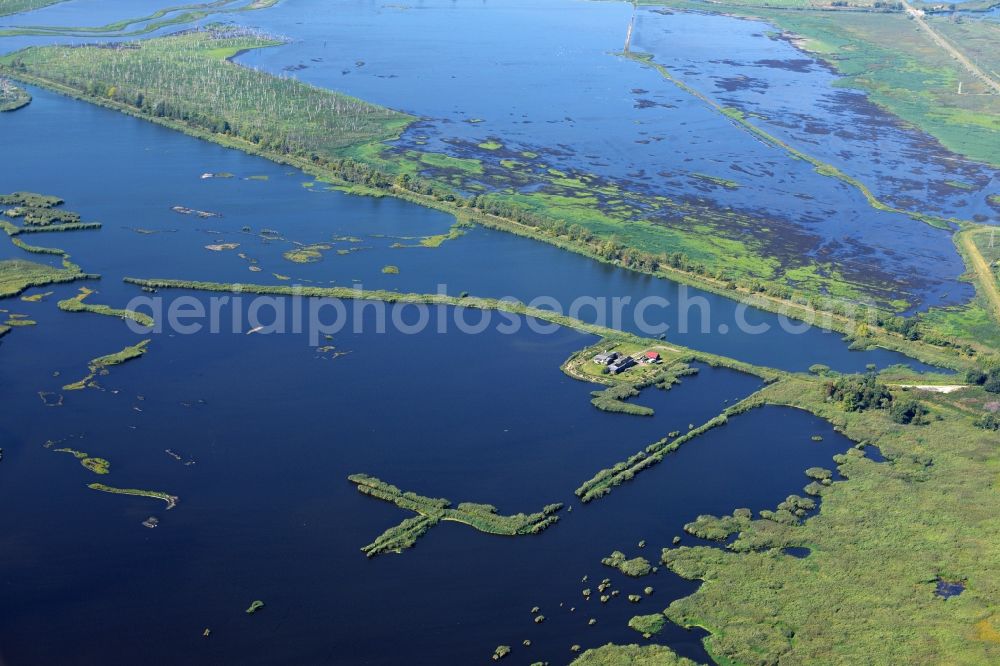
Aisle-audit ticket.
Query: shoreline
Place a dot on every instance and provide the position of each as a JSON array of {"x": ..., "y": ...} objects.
[{"x": 876, "y": 336}]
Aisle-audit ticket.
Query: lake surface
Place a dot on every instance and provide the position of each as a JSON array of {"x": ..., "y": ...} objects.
[
  {"x": 264, "y": 429},
  {"x": 144, "y": 170},
  {"x": 467, "y": 68},
  {"x": 273, "y": 428},
  {"x": 544, "y": 81}
]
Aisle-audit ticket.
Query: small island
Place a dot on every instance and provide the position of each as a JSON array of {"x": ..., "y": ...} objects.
[
  {"x": 12, "y": 97},
  {"x": 483, "y": 517}
]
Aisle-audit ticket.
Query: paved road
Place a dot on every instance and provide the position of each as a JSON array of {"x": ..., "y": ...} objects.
[
  {"x": 986, "y": 277},
  {"x": 918, "y": 16}
]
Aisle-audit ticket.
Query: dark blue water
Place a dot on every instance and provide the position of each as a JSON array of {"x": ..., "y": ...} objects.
[
  {"x": 266, "y": 511},
  {"x": 128, "y": 174},
  {"x": 273, "y": 426}
]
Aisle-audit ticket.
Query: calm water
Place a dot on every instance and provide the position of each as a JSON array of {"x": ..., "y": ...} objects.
[
  {"x": 272, "y": 427},
  {"x": 143, "y": 170},
  {"x": 266, "y": 512},
  {"x": 465, "y": 68}
]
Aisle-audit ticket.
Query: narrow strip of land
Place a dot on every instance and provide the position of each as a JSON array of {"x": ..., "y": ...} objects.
[
  {"x": 983, "y": 272},
  {"x": 821, "y": 167},
  {"x": 480, "y": 303},
  {"x": 918, "y": 17}
]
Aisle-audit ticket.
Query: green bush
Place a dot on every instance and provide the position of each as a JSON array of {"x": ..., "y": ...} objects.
[
  {"x": 907, "y": 412},
  {"x": 988, "y": 422},
  {"x": 858, "y": 393}
]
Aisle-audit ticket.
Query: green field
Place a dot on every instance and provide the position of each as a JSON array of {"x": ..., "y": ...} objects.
[{"x": 188, "y": 79}]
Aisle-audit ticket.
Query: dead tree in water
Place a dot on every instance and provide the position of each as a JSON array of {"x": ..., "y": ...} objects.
[{"x": 631, "y": 24}]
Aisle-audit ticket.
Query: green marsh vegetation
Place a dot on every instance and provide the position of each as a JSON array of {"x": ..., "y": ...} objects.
[
  {"x": 307, "y": 254},
  {"x": 609, "y": 478},
  {"x": 457, "y": 230},
  {"x": 635, "y": 567},
  {"x": 612, "y": 399},
  {"x": 632, "y": 655},
  {"x": 483, "y": 517},
  {"x": 100, "y": 365},
  {"x": 917, "y": 516},
  {"x": 171, "y": 500},
  {"x": 95, "y": 465},
  {"x": 284, "y": 121},
  {"x": 609, "y": 336},
  {"x": 39, "y": 213},
  {"x": 881, "y": 539},
  {"x": 16, "y": 275},
  {"x": 42, "y": 216},
  {"x": 30, "y": 200},
  {"x": 36, "y": 249},
  {"x": 647, "y": 625},
  {"x": 900, "y": 68},
  {"x": 77, "y": 304},
  {"x": 37, "y": 298}
]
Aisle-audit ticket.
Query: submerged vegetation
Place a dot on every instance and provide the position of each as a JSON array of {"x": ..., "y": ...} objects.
[
  {"x": 184, "y": 82},
  {"x": 483, "y": 517},
  {"x": 632, "y": 655},
  {"x": 899, "y": 67}
]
